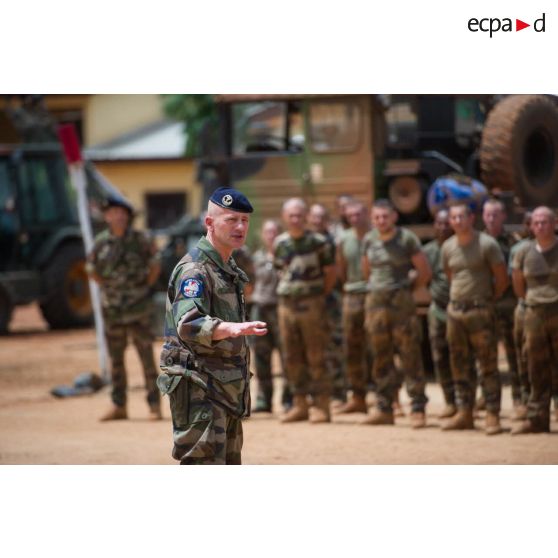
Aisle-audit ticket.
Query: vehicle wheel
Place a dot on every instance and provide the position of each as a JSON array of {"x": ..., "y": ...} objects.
[
  {"x": 67, "y": 302},
  {"x": 408, "y": 196},
  {"x": 6, "y": 309},
  {"x": 519, "y": 148}
]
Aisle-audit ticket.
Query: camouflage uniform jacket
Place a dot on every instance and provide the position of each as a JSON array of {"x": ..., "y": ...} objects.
[
  {"x": 301, "y": 263},
  {"x": 123, "y": 263},
  {"x": 204, "y": 291}
]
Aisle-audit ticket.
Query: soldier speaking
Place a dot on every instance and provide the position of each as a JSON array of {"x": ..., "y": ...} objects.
[{"x": 205, "y": 355}]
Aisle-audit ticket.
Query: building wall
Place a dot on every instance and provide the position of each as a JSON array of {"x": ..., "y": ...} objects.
[
  {"x": 135, "y": 179},
  {"x": 109, "y": 116}
]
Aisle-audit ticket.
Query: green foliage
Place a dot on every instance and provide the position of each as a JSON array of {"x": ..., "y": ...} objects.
[{"x": 199, "y": 115}]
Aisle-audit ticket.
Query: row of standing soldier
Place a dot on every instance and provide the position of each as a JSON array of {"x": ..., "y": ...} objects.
[
  {"x": 308, "y": 290},
  {"x": 378, "y": 268}
]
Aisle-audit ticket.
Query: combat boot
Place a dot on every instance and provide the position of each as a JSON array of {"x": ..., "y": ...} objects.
[
  {"x": 530, "y": 427},
  {"x": 462, "y": 420},
  {"x": 155, "y": 413},
  {"x": 115, "y": 413},
  {"x": 519, "y": 412},
  {"x": 492, "y": 424},
  {"x": 298, "y": 411},
  {"x": 319, "y": 412},
  {"x": 449, "y": 411},
  {"x": 397, "y": 409},
  {"x": 480, "y": 404},
  {"x": 418, "y": 419},
  {"x": 356, "y": 404},
  {"x": 379, "y": 417}
]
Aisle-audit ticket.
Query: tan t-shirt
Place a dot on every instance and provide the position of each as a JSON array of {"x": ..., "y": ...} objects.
[
  {"x": 540, "y": 270},
  {"x": 390, "y": 260},
  {"x": 471, "y": 267}
]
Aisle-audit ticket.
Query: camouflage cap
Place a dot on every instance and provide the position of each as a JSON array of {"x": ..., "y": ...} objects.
[{"x": 229, "y": 198}]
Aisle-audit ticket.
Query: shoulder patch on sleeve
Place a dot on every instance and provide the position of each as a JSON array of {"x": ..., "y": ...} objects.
[{"x": 191, "y": 288}]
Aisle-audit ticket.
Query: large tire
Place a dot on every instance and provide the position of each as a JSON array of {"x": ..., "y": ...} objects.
[
  {"x": 408, "y": 196},
  {"x": 67, "y": 302},
  {"x": 6, "y": 309},
  {"x": 519, "y": 149}
]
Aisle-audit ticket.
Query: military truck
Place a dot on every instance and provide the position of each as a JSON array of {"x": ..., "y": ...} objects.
[
  {"x": 41, "y": 249},
  {"x": 319, "y": 146}
]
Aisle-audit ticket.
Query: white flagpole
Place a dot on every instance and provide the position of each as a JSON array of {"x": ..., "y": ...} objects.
[
  {"x": 77, "y": 177},
  {"x": 70, "y": 143}
]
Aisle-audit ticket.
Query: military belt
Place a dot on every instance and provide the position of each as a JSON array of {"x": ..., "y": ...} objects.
[
  {"x": 296, "y": 298},
  {"x": 199, "y": 363},
  {"x": 465, "y": 306},
  {"x": 544, "y": 306}
]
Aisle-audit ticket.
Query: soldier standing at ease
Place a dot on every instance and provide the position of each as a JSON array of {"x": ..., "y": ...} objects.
[
  {"x": 264, "y": 308},
  {"x": 205, "y": 356},
  {"x": 307, "y": 274},
  {"x": 523, "y": 238},
  {"x": 476, "y": 269},
  {"x": 437, "y": 316},
  {"x": 355, "y": 346},
  {"x": 535, "y": 278},
  {"x": 318, "y": 221},
  {"x": 494, "y": 216},
  {"x": 125, "y": 264},
  {"x": 394, "y": 262}
]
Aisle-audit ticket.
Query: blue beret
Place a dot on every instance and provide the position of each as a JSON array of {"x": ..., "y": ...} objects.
[{"x": 229, "y": 198}]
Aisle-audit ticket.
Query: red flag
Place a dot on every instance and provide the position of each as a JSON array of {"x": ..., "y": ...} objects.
[
  {"x": 69, "y": 140},
  {"x": 519, "y": 25}
]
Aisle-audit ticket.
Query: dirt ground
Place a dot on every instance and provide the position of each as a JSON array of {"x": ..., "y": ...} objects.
[{"x": 36, "y": 428}]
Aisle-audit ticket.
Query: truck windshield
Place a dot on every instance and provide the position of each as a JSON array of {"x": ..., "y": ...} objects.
[
  {"x": 335, "y": 126},
  {"x": 267, "y": 126}
]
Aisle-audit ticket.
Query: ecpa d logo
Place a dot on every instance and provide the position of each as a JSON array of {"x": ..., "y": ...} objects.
[{"x": 495, "y": 24}]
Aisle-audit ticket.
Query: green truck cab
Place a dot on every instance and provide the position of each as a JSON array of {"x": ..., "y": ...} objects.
[{"x": 41, "y": 249}]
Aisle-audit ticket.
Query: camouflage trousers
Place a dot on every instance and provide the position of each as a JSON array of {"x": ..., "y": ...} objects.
[
  {"x": 203, "y": 432},
  {"x": 505, "y": 333},
  {"x": 519, "y": 339},
  {"x": 439, "y": 347},
  {"x": 391, "y": 322},
  {"x": 117, "y": 339},
  {"x": 356, "y": 351},
  {"x": 472, "y": 333},
  {"x": 304, "y": 336},
  {"x": 541, "y": 347},
  {"x": 437, "y": 333},
  {"x": 334, "y": 348},
  {"x": 263, "y": 349}
]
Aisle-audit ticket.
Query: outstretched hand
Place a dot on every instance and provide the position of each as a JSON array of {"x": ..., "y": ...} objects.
[
  {"x": 236, "y": 329},
  {"x": 252, "y": 328}
]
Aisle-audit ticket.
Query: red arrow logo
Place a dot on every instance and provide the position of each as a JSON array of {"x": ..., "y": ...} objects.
[{"x": 519, "y": 25}]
